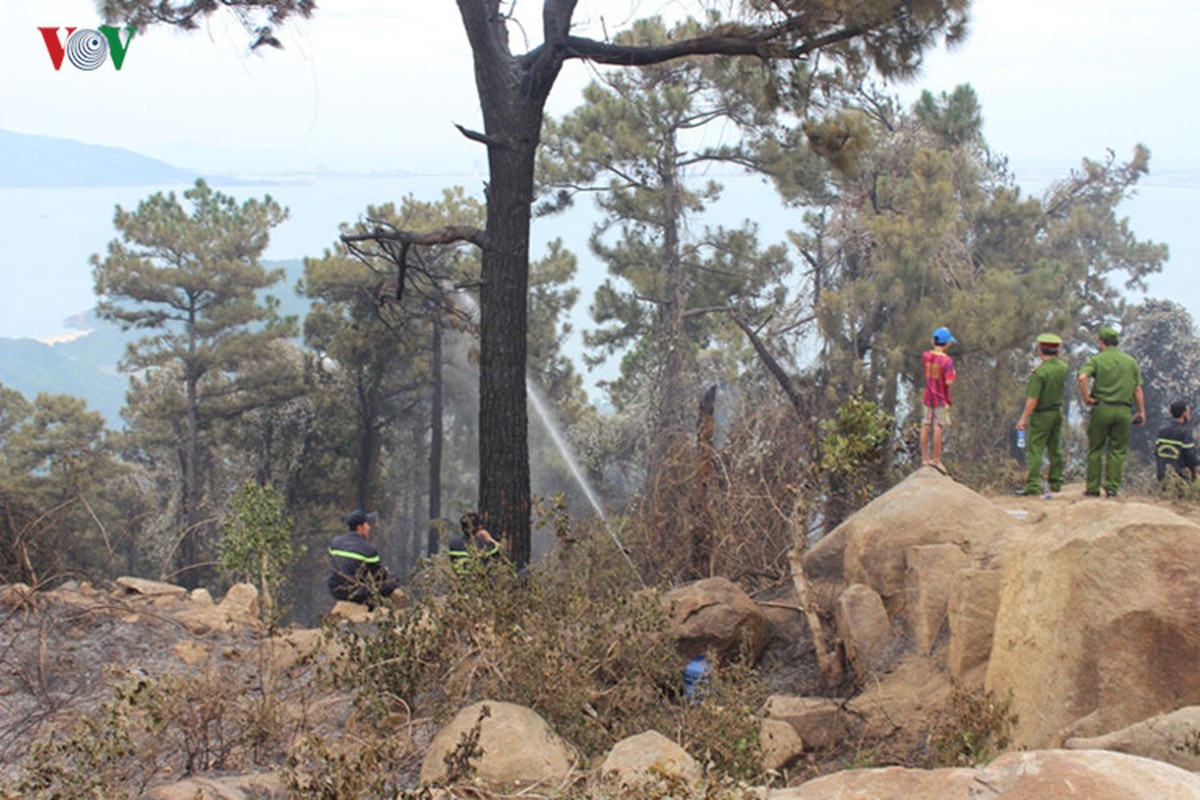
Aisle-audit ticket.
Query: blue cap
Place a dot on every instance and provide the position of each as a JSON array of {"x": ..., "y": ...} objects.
[{"x": 943, "y": 336}]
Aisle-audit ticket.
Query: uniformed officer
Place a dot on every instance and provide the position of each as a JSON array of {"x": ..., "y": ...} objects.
[
  {"x": 1116, "y": 386},
  {"x": 1043, "y": 416}
]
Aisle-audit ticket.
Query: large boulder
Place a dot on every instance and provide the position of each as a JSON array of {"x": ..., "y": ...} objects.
[
  {"x": 265, "y": 786},
  {"x": 1097, "y": 622},
  {"x": 1173, "y": 738},
  {"x": 519, "y": 748},
  {"x": 1041, "y": 775},
  {"x": 715, "y": 614},
  {"x": 648, "y": 757},
  {"x": 892, "y": 783},
  {"x": 865, "y": 629},
  {"x": 926, "y": 508}
]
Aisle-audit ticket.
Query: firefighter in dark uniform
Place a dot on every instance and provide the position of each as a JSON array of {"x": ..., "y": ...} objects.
[
  {"x": 1042, "y": 416},
  {"x": 474, "y": 547},
  {"x": 1175, "y": 446},
  {"x": 356, "y": 572}
]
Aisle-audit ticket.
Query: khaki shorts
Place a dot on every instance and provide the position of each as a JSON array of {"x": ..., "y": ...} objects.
[{"x": 937, "y": 416}]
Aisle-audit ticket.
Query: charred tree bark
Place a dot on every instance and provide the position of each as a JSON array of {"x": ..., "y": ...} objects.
[
  {"x": 701, "y": 532},
  {"x": 436, "y": 434},
  {"x": 512, "y": 92}
]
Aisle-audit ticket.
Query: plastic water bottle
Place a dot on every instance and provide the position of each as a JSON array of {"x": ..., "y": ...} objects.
[
  {"x": 695, "y": 679},
  {"x": 1020, "y": 440}
]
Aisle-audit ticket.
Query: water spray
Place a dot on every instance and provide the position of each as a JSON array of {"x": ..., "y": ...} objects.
[{"x": 542, "y": 409}]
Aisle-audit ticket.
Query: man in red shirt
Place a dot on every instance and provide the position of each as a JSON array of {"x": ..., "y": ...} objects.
[{"x": 939, "y": 375}]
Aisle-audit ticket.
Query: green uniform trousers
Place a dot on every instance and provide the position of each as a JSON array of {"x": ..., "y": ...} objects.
[
  {"x": 1044, "y": 434},
  {"x": 1108, "y": 442}
]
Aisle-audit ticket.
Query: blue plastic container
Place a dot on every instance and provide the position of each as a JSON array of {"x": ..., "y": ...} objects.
[{"x": 696, "y": 678}]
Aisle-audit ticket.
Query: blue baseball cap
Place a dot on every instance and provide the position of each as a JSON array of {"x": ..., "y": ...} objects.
[{"x": 943, "y": 336}]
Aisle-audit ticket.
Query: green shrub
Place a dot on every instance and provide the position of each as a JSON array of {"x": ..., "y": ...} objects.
[{"x": 257, "y": 543}]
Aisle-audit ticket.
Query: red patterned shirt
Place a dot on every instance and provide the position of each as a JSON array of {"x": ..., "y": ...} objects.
[{"x": 939, "y": 374}]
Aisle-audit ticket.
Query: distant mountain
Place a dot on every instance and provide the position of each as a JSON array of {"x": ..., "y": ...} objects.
[
  {"x": 43, "y": 161},
  {"x": 86, "y": 365}
]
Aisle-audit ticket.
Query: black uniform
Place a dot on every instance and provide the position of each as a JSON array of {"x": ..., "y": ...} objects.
[
  {"x": 468, "y": 556},
  {"x": 356, "y": 572},
  {"x": 1176, "y": 447}
]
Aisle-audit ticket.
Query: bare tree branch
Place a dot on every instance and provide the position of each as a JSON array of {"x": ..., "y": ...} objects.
[
  {"x": 448, "y": 235},
  {"x": 774, "y": 367},
  {"x": 765, "y": 44},
  {"x": 482, "y": 138}
]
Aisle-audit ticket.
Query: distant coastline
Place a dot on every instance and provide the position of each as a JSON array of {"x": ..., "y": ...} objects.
[{"x": 65, "y": 337}]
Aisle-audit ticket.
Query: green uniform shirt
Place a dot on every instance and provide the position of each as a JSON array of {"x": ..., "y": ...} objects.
[
  {"x": 1048, "y": 383},
  {"x": 1115, "y": 375}
]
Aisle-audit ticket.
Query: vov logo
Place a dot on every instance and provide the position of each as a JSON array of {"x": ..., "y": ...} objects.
[{"x": 87, "y": 48}]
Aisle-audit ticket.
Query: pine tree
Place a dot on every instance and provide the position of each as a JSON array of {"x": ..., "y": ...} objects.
[{"x": 192, "y": 277}]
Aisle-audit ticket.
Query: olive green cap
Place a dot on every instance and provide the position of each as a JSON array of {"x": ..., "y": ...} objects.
[
  {"x": 1050, "y": 339},
  {"x": 1108, "y": 335}
]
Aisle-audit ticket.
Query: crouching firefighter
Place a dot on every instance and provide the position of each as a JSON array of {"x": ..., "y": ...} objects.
[
  {"x": 356, "y": 571},
  {"x": 474, "y": 547}
]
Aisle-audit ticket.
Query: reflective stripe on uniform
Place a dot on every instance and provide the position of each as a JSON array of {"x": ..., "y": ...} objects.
[
  {"x": 1170, "y": 448},
  {"x": 354, "y": 556}
]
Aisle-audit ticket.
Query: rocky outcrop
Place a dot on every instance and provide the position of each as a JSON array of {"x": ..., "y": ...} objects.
[
  {"x": 1040, "y": 775},
  {"x": 716, "y": 615},
  {"x": 1173, "y": 738},
  {"x": 926, "y": 508},
  {"x": 519, "y": 748},
  {"x": 1096, "y": 627}
]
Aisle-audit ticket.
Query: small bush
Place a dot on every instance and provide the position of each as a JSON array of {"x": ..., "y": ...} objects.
[
  {"x": 975, "y": 730},
  {"x": 257, "y": 543},
  {"x": 1175, "y": 487},
  {"x": 184, "y": 723},
  {"x": 110, "y": 755},
  {"x": 366, "y": 771}
]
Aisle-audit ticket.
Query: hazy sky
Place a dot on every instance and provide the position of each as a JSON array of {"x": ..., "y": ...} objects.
[
  {"x": 1058, "y": 79},
  {"x": 379, "y": 83}
]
